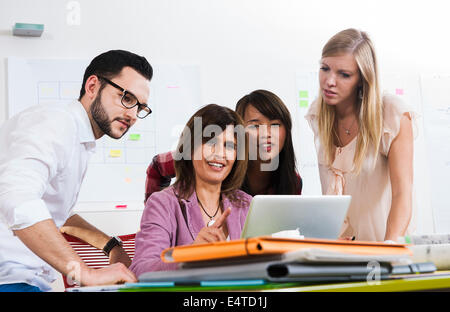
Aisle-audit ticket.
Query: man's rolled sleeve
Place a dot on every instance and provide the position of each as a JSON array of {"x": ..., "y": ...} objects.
[{"x": 28, "y": 214}]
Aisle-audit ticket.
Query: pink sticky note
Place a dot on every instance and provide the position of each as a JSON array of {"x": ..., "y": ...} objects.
[{"x": 399, "y": 91}]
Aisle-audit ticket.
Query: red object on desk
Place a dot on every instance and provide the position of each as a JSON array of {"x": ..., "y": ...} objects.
[{"x": 93, "y": 257}]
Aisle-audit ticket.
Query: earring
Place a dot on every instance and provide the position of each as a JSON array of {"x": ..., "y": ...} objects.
[{"x": 360, "y": 93}]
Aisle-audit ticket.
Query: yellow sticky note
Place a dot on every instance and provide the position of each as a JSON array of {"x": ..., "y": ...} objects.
[
  {"x": 115, "y": 153},
  {"x": 46, "y": 91}
]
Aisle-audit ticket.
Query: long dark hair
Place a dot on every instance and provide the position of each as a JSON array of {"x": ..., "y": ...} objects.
[
  {"x": 284, "y": 179},
  {"x": 211, "y": 114}
]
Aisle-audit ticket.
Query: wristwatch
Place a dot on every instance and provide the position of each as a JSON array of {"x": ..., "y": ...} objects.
[{"x": 113, "y": 242}]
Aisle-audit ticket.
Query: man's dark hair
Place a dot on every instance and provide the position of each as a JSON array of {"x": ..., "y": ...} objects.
[{"x": 111, "y": 63}]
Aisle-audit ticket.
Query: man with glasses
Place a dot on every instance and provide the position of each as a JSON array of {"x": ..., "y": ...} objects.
[{"x": 44, "y": 155}]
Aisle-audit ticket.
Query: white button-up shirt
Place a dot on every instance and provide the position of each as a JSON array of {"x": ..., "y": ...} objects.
[{"x": 44, "y": 153}]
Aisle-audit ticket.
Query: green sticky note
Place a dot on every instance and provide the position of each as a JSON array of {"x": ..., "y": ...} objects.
[
  {"x": 304, "y": 103},
  {"x": 135, "y": 137},
  {"x": 303, "y": 94},
  {"x": 407, "y": 239}
]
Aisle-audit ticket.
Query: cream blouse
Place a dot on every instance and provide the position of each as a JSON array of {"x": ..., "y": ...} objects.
[{"x": 370, "y": 190}]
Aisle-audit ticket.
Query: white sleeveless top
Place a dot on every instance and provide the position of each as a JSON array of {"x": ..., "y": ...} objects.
[{"x": 370, "y": 190}]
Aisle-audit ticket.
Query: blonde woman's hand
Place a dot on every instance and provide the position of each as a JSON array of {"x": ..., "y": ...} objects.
[{"x": 347, "y": 238}]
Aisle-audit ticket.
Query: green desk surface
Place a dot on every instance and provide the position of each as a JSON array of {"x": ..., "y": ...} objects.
[{"x": 421, "y": 282}]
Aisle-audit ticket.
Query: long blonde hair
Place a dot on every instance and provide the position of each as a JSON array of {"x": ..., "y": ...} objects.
[{"x": 370, "y": 106}]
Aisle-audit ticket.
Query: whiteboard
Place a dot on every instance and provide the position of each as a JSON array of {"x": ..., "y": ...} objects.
[
  {"x": 436, "y": 112},
  {"x": 117, "y": 171},
  {"x": 307, "y": 88},
  {"x": 408, "y": 88}
]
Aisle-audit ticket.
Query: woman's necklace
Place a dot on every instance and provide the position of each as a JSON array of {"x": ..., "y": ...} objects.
[
  {"x": 336, "y": 133},
  {"x": 340, "y": 146},
  {"x": 211, "y": 221},
  {"x": 347, "y": 130}
]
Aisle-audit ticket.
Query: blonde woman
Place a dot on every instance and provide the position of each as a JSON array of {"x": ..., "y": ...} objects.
[{"x": 364, "y": 141}]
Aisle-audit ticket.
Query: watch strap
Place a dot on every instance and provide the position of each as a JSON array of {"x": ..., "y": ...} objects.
[{"x": 113, "y": 242}]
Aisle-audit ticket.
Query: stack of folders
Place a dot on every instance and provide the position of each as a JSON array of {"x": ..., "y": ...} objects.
[
  {"x": 282, "y": 260},
  {"x": 433, "y": 248}
]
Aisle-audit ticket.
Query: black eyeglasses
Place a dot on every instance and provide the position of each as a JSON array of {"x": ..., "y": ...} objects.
[{"x": 129, "y": 100}]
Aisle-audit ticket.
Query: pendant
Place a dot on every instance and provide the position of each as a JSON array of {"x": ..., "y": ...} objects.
[
  {"x": 347, "y": 131},
  {"x": 211, "y": 222}
]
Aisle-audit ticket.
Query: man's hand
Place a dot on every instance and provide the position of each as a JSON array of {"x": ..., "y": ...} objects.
[
  {"x": 45, "y": 240},
  {"x": 116, "y": 273}
]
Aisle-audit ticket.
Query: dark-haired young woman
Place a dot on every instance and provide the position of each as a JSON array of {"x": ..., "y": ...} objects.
[{"x": 268, "y": 123}]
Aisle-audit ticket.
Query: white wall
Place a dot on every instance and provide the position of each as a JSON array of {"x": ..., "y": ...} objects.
[{"x": 241, "y": 45}]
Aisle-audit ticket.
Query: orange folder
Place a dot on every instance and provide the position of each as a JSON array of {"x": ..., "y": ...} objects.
[{"x": 267, "y": 245}]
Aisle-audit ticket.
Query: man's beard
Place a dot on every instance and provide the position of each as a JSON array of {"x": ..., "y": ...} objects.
[{"x": 100, "y": 116}]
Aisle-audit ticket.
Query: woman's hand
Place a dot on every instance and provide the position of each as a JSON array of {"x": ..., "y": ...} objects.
[
  {"x": 118, "y": 254},
  {"x": 348, "y": 238},
  {"x": 213, "y": 233}
]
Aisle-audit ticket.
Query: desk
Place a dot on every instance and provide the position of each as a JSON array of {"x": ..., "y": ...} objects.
[{"x": 438, "y": 281}]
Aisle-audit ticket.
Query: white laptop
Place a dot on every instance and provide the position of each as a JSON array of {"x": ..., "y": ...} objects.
[{"x": 313, "y": 216}]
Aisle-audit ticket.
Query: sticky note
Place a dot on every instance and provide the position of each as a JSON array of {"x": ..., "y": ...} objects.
[
  {"x": 127, "y": 180},
  {"x": 134, "y": 137},
  {"x": 69, "y": 90},
  {"x": 115, "y": 153},
  {"x": 399, "y": 91},
  {"x": 48, "y": 90},
  {"x": 303, "y": 94},
  {"x": 304, "y": 103}
]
